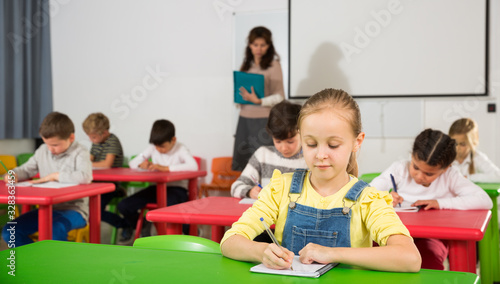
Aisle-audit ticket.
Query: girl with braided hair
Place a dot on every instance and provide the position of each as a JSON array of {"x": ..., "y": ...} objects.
[{"x": 429, "y": 181}]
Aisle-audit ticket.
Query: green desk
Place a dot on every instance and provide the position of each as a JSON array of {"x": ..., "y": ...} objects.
[
  {"x": 491, "y": 235},
  {"x": 66, "y": 262}
]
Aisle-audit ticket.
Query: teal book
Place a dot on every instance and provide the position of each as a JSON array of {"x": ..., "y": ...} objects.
[{"x": 247, "y": 80}]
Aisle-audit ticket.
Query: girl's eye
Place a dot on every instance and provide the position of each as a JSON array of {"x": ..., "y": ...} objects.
[
  {"x": 333, "y": 146},
  {"x": 429, "y": 175},
  {"x": 311, "y": 145}
]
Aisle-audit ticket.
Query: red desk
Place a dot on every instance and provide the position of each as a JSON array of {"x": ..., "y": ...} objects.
[
  {"x": 46, "y": 197},
  {"x": 160, "y": 178},
  {"x": 462, "y": 228}
]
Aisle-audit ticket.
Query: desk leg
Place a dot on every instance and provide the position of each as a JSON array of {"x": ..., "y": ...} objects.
[
  {"x": 95, "y": 218},
  {"x": 45, "y": 222},
  {"x": 161, "y": 201},
  {"x": 173, "y": 229},
  {"x": 193, "y": 195},
  {"x": 495, "y": 242},
  {"x": 217, "y": 233},
  {"x": 462, "y": 256},
  {"x": 486, "y": 256}
]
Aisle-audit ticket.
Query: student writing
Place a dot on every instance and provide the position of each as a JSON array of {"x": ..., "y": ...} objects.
[
  {"x": 61, "y": 159},
  {"x": 324, "y": 214},
  {"x": 471, "y": 162},
  {"x": 428, "y": 180},
  {"x": 285, "y": 155},
  {"x": 167, "y": 155},
  {"x": 106, "y": 152}
]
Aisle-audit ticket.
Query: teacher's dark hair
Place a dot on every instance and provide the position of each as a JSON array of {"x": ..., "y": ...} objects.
[
  {"x": 267, "y": 59},
  {"x": 434, "y": 148}
]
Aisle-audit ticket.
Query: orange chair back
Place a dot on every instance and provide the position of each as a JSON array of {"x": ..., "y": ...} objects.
[
  {"x": 223, "y": 175},
  {"x": 9, "y": 161}
]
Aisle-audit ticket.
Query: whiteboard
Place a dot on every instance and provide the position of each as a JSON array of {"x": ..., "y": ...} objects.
[
  {"x": 388, "y": 48},
  {"x": 276, "y": 22}
]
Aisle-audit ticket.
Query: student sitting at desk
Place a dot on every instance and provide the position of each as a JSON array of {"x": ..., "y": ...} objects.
[
  {"x": 471, "y": 162},
  {"x": 167, "y": 155},
  {"x": 106, "y": 152},
  {"x": 325, "y": 214},
  {"x": 285, "y": 155},
  {"x": 61, "y": 159},
  {"x": 429, "y": 181}
]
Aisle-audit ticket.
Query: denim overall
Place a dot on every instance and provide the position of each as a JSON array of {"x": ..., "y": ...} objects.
[{"x": 326, "y": 227}]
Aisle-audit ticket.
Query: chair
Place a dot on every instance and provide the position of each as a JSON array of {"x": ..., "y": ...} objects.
[
  {"x": 9, "y": 161},
  {"x": 368, "y": 177},
  {"x": 179, "y": 243},
  {"x": 23, "y": 158},
  {"x": 152, "y": 206},
  {"x": 223, "y": 176}
]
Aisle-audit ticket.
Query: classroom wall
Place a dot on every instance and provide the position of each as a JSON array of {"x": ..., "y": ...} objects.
[{"x": 138, "y": 61}]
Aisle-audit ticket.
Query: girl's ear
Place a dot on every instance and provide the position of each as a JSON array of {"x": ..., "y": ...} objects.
[{"x": 359, "y": 140}]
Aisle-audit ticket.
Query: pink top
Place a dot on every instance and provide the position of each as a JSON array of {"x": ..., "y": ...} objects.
[{"x": 274, "y": 92}]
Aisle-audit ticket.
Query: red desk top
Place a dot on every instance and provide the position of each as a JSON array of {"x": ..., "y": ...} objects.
[
  {"x": 223, "y": 211},
  {"x": 47, "y": 196},
  {"x": 127, "y": 174},
  {"x": 214, "y": 210},
  {"x": 447, "y": 224}
]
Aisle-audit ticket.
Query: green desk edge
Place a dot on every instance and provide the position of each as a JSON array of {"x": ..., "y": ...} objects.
[{"x": 66, "y": 262}]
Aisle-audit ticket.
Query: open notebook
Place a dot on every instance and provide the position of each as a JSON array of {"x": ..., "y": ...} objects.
[
  {"x": 49, "y": 184},
  {"x": 406, "y": 207},
  {"x": 314, "y": 270}
]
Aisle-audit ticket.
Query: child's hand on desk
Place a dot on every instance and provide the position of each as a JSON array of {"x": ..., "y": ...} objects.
[
  {"x": 396, "y": 199},
  {"x": 145, "y": 165},
  {"x": 10, "y": 178},
  {"x": 277, "y": 257},
  {"x": 254, "y": 192},
  {"x": 427, "y": 204},
  {"x": 315, "y": 253},
  {"x": 51, "y": 177},
  {"x": 156, "y": 167}
]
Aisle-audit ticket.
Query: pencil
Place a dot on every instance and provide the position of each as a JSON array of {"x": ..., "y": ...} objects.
[{"x": 270, "y": 233}]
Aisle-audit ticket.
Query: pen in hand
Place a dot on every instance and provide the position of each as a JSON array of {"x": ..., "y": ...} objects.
[
  {"x": 256, "y": 181},
  {"x": 271, "y": 235},
  {"x": 394, "y": 187}
]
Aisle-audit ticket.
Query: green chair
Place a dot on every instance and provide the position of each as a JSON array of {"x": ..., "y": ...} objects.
[
  {"x": 179, "y": 243},
  {"x": 23, "y": 158},
  {"x": 134, "y": 186},
  {"x": 368, "y": 177}
]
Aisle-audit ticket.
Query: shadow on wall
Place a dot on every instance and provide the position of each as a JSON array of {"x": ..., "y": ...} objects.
[{"x": 324, "y": 71}]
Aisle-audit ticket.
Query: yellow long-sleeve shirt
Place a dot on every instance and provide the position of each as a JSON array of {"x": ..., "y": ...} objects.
[{"x": 372, "y": 216}]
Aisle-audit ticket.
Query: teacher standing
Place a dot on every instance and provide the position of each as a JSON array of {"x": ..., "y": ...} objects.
[{"x": 260, "y": 58}]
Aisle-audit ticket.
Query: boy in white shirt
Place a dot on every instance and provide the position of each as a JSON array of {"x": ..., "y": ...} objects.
[{"x": 167, "y": 155}]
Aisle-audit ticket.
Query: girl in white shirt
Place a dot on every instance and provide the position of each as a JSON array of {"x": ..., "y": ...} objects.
[
  {"x": 471, "y": 163},
  {"x": 428, "y": 180}
]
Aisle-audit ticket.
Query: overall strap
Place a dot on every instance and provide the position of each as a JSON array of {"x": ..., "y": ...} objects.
[
  {"x": 298, "y": 180},
  {"x": 355, "y": 191}
]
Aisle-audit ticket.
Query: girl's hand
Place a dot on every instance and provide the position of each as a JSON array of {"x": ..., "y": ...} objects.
[
  {"x": 251, "y": 97},
  {"x": 144, "y": 165},
  {"x": 315, "y": 253},
  {"x": 51, "y": 177},
  {"x": 276, "y": 257},
  {"x": 427, "y": 204},
  {"x": 396, "y": 198},
  {"x": 254, "y": 192}
]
